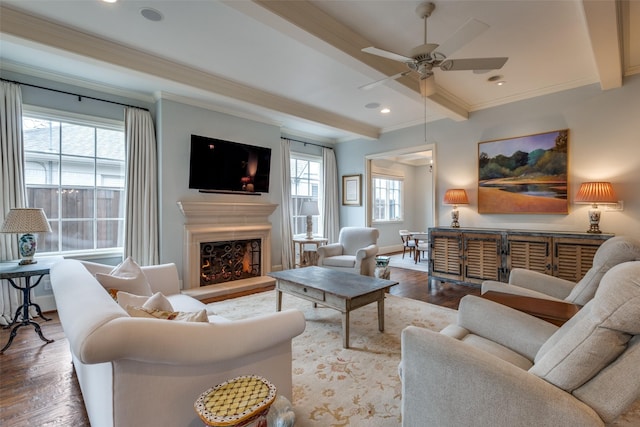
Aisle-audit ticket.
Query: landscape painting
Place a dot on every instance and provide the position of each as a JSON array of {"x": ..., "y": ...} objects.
[{"x": 524, "y": 175}]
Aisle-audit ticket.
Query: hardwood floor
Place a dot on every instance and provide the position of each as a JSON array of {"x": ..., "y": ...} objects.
[{"x": 38, "y": 385}]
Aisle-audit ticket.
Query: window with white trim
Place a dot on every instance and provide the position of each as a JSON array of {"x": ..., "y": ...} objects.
[
  {"x": 75, "y": 171},
  {"x": 387, "y": 198},
  {"x": 306, "y": 184}
]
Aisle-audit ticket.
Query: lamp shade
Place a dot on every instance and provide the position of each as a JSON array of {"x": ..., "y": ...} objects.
[
  {"x": 456, "y": 196},
  {"x": 26, "y": 220},
  {"x": 596, "y": 192},
  {"x": 309, "y": 208}
]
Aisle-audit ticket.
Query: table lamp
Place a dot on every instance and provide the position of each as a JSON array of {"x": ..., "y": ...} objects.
[
  {"x": 455, "y": 197},
  {"x": 594, "y": 193},
  {"x": 309, "y": 209},
  {"x": 27, "y": 221}
]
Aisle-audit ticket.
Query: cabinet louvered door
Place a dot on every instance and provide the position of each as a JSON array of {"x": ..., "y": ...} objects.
[
  {"x": 445, "y": 256},
  {"x": 530, "y": 252},
  {"x": 482, "y": 257},
  {"x": 574, "y": 257}
]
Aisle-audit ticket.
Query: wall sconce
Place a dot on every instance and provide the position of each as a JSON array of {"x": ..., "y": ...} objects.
[
  {"x": 455, "y": 197},
  {"x": 595, "y": 193},
  {"x": 309, "y": 209},
  {"x": 27, "y": 221}
]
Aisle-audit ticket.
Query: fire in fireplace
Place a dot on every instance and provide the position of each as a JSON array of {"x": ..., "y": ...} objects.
[{"x": 226, "y": 261}]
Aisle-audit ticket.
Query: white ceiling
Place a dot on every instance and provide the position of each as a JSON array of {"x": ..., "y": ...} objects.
[{"x": 298, "y": 64}]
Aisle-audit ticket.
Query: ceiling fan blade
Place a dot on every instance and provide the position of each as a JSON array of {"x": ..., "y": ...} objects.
[
  {"x": 463, "y": 35},
  {"x": 381, "y": 81},
  {"x": 387, "y": 54},
  {"x": 473, "y": 64}
]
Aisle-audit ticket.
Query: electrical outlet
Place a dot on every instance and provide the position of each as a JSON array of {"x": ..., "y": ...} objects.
[{"x": 618, "y": 207}]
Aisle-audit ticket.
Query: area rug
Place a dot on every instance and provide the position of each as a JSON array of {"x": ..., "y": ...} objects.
[
  {"x": 333, "y": 386},
  {"x": 408, "y": 262}
]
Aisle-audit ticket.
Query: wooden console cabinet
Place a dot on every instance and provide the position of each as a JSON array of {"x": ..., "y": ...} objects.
[{"x": 473, "y": 255}]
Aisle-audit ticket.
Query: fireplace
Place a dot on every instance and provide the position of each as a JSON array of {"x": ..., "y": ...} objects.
[
  {"x": 220, "y": 234},
  {"x": 222, "y": 262}
]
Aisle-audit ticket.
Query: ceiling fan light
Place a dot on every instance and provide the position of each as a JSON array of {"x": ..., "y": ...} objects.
[{"x": 427, "y": 85}]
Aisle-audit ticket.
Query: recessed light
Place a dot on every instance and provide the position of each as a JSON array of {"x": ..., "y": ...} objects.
[
  {"x": 372, "y": 105},
  {"x": 501, "y": 82},
  {"x": 495, "y": 78},
  {"x": 151, "y": 14},
  {"x": 109, "y": 1},
  {"x": 385, "y": 111}
]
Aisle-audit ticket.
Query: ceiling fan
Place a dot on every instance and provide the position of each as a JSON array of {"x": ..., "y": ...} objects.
[{"x": 427, "y": 56}]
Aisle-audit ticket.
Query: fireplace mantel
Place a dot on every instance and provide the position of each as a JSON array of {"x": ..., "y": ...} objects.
[
  {"x": 219, "y": 212},
  {"x": 221, "y": 221}
]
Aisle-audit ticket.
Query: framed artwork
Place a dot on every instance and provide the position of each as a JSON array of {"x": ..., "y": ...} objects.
[
  {"x": 524, "y": 175},
  {"x": 351, "y": 190}
]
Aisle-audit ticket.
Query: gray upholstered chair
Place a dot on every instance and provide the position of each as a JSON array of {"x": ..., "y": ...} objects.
[
  {"x": 498, "y": 367},
  {"x": 355, "y": 251},
  {"x": 612, "y": 252}
]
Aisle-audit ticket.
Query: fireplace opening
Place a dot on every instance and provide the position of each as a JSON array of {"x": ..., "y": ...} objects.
[{"x": 231, "y": 260}]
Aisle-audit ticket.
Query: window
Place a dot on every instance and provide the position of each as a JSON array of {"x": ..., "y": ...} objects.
[
  {"x": 74, "y": 170},
  {"x": 306, "y": 184},
  {"x": 387, "y": 198}
]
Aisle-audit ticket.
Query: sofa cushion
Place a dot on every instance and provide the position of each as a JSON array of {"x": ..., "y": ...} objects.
[
  {"x": 598, "y": 336},
  {"x": 128, "y": 277},
  {"x": 345, "y": 261},
  {"x": 198, "y": 316}
]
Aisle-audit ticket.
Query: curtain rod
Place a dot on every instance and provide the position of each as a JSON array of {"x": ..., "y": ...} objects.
[
  {"x": 74, "y": 94},
  {"x": 305, "y": 143}
]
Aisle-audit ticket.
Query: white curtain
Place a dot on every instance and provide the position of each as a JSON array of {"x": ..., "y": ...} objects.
[
  {"x": 141, "y": 240},
  {"x": 331, "y": 204},
  {"x": 285, "y": 205},
  {"x": 12, "y": 186}
]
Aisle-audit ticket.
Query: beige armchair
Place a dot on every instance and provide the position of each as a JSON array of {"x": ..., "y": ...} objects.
[
  {"x": 614, "y": 251},
  {"x": 355, "y": 251},
  {"x": 498, "y": 367}
]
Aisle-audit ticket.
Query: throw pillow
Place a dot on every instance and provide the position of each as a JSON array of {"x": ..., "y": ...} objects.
[
  {"x": 128, "y": 277},
  {"x": 198, "y": 316},
  {"x": 157, "y": 301}
]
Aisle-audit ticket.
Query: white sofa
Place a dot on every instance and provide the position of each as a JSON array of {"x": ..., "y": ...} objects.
[{"x": 148, "y": 372}]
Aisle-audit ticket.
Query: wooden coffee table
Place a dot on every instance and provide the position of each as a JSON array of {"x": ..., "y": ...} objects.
[
  {"x": 556, "y": 312},
  {"x": 344, "y": 292}
]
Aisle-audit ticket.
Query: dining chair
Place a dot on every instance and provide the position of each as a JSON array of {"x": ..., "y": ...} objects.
[{"x": 407, "y": 243}]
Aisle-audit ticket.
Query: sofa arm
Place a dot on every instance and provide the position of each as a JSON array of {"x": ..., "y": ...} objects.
[
  {"x": 164, "y": 341},
  {"x": 367, "y": 252},
  {"x": 163, "y": 278},
  {"x": 332, "y": 249},
  {"x": 448, "y": 383},
  {"x": 511, "y": 328},
  {"x": 549, "y": 285}
]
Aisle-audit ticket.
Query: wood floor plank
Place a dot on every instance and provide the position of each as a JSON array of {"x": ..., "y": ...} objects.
[{"x": 39, "y": 387}]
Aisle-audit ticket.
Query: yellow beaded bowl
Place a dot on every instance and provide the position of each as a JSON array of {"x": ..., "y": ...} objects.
[{"x": 236, "y": 402}]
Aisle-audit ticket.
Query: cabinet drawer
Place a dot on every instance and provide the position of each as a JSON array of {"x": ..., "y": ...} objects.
[{"x": 303, "y": 291}]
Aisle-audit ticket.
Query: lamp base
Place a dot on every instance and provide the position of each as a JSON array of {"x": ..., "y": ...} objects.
[
  {"x": 27, "y": 244},
  {"x": 454, "y": 218},
  {"x": 594, "y": 221},
  {"x": 309, "y": 227}
]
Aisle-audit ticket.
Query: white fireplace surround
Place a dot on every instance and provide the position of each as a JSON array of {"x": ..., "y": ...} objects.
[{"x": 219, "y": 222}]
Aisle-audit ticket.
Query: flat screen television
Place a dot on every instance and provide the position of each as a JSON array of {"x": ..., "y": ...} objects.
[{"x": 218, "y": 166}]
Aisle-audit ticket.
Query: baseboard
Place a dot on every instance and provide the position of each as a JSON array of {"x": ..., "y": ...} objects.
[
  {"x": 46, "y": 302},
  {"x": 382, "y": 250}
]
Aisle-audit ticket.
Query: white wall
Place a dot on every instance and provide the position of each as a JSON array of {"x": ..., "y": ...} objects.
[
  {"x": 175, "y": 124},
  {"x": 604, "y": 144}
]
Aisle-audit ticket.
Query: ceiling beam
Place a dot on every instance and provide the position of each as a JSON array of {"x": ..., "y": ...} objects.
[
  {"x": 315, "y": 21},
  {"x": 47, "y": 33},
  {"x": 604, "y": 31}
]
